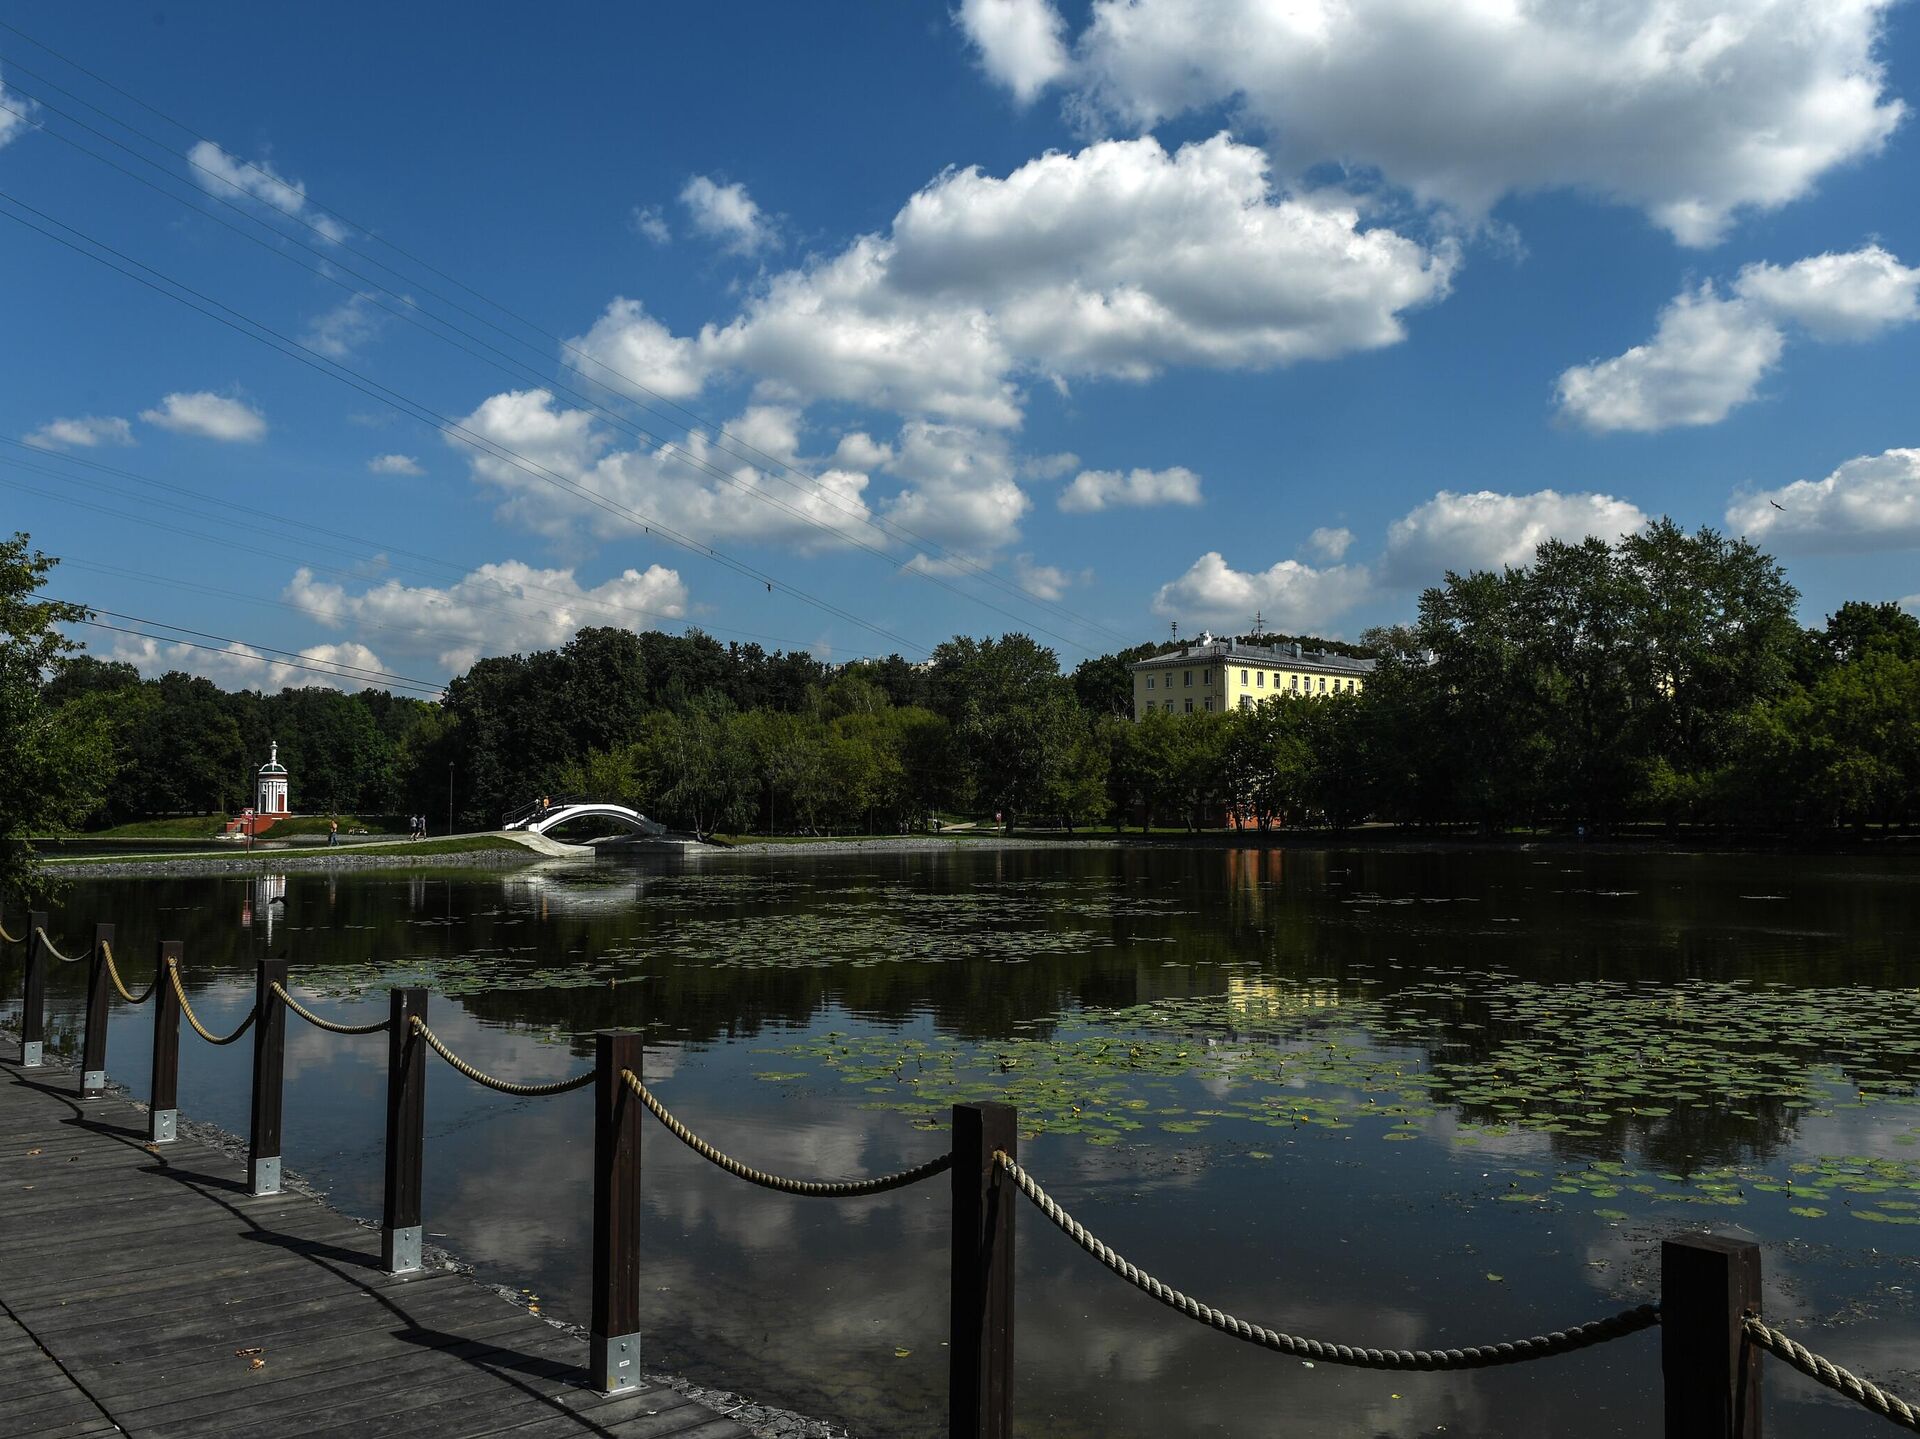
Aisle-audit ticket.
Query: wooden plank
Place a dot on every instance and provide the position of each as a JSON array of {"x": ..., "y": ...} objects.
[{"x": 146, "y": 1272}]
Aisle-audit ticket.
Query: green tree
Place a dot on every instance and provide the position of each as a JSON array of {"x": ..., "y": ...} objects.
[{"x": 55, "y": 759}]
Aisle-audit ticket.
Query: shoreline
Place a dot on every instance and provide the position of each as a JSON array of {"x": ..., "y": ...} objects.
[{"x": 764, "y": 1421}]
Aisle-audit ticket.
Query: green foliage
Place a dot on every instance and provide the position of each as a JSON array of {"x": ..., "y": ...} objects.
[{"x": 55, "y": 756}]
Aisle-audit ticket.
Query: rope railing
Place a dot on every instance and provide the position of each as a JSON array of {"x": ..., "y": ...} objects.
[
  {"x": 113, "y": 973},
  {"x": 6, "y": 938},
  {"x": 1863, "y": 1392},
  {"x": 808, "y": 1188},
  {"x": 186, "y": 1008},
  {"x": 48, "y": 945},
  {"x": 504, "y": 1086},
  {"x": 331, "y": 1026},
  {"x": 1472, "y": 1356}
]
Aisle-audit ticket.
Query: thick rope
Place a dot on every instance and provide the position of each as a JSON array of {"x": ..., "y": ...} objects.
[
  {"x": 1863, "y": 1392},
  {"x": 179, "y": 990},
  {"x": 113, "y": 973},
  {"x": 810, "y": 1188},
  {"x": 6, "y": 938},
  {"x": 47, "y": 945},
  {"x": 1475, "y": 1356},
  {"x": 525, "y": 1091},
  {"x": 327, "y": 1024}
]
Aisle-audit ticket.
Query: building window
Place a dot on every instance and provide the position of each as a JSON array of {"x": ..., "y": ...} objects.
[
  {"x": 1149, "y": 681},
  {"x": 1246, "y": 702},
  {"x": 1206, "y": 677},
  {"x": 1189, "y": 706},
  {"x": 1209, "y": 704},
  {"x": 1186, "y": 678},
  {"x": 1262, "y": 681},
  {"x": 1296, "y": 681},
  {"x": 1243, "y": 679},
  {"x": 1323, "y": 684}
]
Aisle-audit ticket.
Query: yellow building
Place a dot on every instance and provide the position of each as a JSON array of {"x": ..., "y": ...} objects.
[{"x": 1218, "y": 675}]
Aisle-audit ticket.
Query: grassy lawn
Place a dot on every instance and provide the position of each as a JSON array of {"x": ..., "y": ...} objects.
[
  {"x": 207, "y": 826},
  {"x": 424, "y": 849}
]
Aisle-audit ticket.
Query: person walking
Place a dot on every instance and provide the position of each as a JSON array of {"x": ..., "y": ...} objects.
[{"x": 333, "y": 832}]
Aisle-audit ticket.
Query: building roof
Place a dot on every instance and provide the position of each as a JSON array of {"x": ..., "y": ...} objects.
[
  {"x": 1283, "y": 656},
  {"x": 273, "y": 765}
]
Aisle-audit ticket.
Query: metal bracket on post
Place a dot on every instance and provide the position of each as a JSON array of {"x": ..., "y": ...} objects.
[
  {"x": 615, "y": 1327},
  {"x": 269, "y": 1071},
  {"x": 33, "y": 995},
  {"x": 163, "y": 1103}
]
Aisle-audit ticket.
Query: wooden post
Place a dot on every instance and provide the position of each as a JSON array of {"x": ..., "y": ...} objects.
[
  {"x": 93, "y": 1045},
  {"x": 617, "y": 1113},
  {"x": 33, "y": 995},
  {"x": 269, "y": 1071},
  {"x": 163, "y": 1096},
  {"x": 406, "y": 1132},
  {"x": 1708, "y": 1285},
  {"x": 980, "y": 1343}
]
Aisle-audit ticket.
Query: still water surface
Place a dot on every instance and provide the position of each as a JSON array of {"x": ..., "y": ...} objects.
[{"x": 1395, "y": 1098}]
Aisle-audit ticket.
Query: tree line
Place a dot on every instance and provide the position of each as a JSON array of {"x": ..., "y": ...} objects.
[{"x": 1662, "y": 677}]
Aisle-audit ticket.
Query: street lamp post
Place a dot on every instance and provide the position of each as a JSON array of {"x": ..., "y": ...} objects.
[{"x": 449, "y": 798}]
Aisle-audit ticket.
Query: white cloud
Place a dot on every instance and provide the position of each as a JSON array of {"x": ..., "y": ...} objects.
[
  {"x": 1116, "y": 261},
  {"x": 16, "y": 118},
  {"x": 858, "y": 450},
  {"x": 86, "y": 433},
  {"x": 1691, "y": 110},
  {"x": 1869, "y": 503},
  {"x": 1707, "y": 356},
  {"x": 1049, "y": 467},
  {"x": 1330, "y": 544},
  {"x": 961, "y": 491},
  {"x": 506, "y": 608},
  {"x": 650, "y": 223},
  {"x": 215, "y": 417},
  {"x": 1710, "y": 352},
  {"x": 1486, "y": 531},
  {"x": 1094, "y": 490},
  {"x": 727, "y": 213},
  {"x": 347, "y": 326},
  {"x": 236, "y": 666},
  {"x": 674, "y": 486},
  {"x": 1854, "y": 296},
  {"x": 629, "y": 351},
  {"x": 1049, "y": 582},
  {"x": 1287, "y": 596},
  {"x": 394, "y": 465},
  {"x": 1020, "y": 42},
  {"x": 229, "y": 178}
]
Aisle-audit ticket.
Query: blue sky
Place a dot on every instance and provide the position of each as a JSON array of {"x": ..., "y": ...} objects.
[{"x": 909, "y": 320}]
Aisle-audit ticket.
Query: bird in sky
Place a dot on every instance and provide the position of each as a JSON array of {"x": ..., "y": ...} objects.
[{"x": 1778, "y": 506}]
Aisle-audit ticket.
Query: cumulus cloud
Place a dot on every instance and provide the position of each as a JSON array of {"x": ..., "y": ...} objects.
[
  {"x": 347, "y": 667},
  {"x": 1119, "y": 260},
  {"x": 1048, "y": 582},
  {"x": 1049, "y": 467},
  {"x": 1710, "y": 352},
  {"x": 228, "y": 177},
  {"x": 394, "y": 465},
  {"x": 649, "y": 223},
  {"x": 1330, "y": 544},
  {"x": 1690, "y": 110},
  {"x": 728, "y": 214},
  {"x": 203, "y": 413},
  {"x": 16, "y": 117},
  {"x": 668, "y": 485},
  {"x": 506, "y": 608},
  {"x": 86, "y": 433},
  {"x": 1021, "y": 43},
  {"x": 1869, "y": 503},
  {"x": 349, "y": 325},
  {"x": 1288, "y": 595},
  {"x": 1486, "y": 531},
  {"x": 1094, "y": 490},
  {"x": 629, "y": 351},
  {"x": 960, "y": 492}
]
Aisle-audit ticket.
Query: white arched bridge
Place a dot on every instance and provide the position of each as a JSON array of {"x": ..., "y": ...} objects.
[{"x": 543, "y": 815}]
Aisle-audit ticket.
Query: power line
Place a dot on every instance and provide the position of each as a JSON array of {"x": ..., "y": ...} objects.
[
  {"x": 226, "y": 649},
  {"x": 373, "y": 548},
  {"x": 772, "y": 463},
  {"x": 355, "y": 380}
]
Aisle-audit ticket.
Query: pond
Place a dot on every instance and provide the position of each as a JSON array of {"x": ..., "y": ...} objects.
[{"x": 1389, "y": 1097}]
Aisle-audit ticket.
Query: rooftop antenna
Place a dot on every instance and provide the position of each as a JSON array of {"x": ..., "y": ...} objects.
[
  {"x": 1259, "y": 624},
  {"x": 1175, "y": 630}
]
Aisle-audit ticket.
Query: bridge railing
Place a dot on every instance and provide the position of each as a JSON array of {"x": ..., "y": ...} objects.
[
  {"x": 533, "y": 808},
  {"x": 1712, "y": 1339}
]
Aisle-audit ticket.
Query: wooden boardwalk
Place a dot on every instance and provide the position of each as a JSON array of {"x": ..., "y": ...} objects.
[{"x": 144, "y": 1291}]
